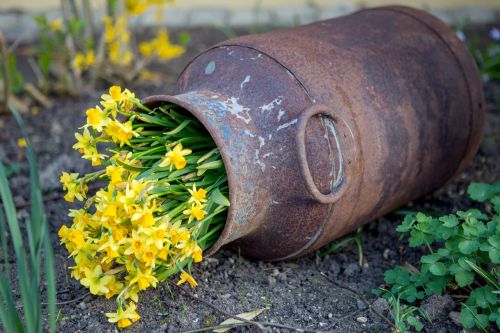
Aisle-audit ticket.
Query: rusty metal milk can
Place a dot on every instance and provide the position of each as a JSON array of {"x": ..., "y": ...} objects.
[{"x": 325, "y": 127}]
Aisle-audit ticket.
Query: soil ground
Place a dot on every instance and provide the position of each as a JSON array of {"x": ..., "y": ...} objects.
[{"x": 296, "y": 294}]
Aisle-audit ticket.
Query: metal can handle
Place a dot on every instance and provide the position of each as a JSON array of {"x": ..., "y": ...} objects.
[{"x": 336, "y": 192}]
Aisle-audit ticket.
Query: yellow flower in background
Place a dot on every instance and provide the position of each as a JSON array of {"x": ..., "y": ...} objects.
[
  {"x": 124, "y": 318},
  {"x": 82, "y": 61},
  {"x": 56, "y": 25},
  {"x": 185, "y": 277},
  {"x": 22, "y": 143},
  {"x": 162, "y": 47},
  {"x": 116, "y": 36},
  {"x": 175, "y": 157},
  {"x": 136, "y": 7}
]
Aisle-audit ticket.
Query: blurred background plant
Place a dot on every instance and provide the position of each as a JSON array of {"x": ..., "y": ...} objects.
[
  {"x": 28, "y": 246},
  {"x": 76, "y": 52},
  {"x": 486, "y": 51}
]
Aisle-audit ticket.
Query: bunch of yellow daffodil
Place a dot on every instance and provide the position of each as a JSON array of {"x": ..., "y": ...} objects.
[{"x": 161, "y": 205}]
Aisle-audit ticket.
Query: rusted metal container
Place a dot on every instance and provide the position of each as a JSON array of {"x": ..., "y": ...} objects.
[{"x": 327, "y": 126}]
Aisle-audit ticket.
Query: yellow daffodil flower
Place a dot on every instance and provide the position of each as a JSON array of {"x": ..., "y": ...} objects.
[
  {"x": 124, "y": 318},
  {"x": 144, "y": 279},
  {"x": 95, "y": 280},
  {"x": 144, "y": 216},
  {"x": 195, "y": 212},
  {"x": 175, "y": 157},
  {"x": 185, "y": 277},
  {"x": 120, "y": 132},
  {"x": 84, "y": 142},
  {"x": 179, "y": 235},
  {"x": 197, "y": 196},
  {"x": 114, "y": 287},
  {"x": 96, "y": 118},
  {"x": 75, "y": 188}
]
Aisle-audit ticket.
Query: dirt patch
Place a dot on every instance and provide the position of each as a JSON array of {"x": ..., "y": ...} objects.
[{"x": 295, "y": 292}]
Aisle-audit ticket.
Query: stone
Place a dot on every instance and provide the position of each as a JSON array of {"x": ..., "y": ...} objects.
[
  {"x": 352, "y": 269},
  {"x": 438, "y": 306},
  {"x": 381, "y": 305},
  {"x": 271, "y": 281},
  {"x": 362, "y": 320},
  {"x": 49, "y": 176}
]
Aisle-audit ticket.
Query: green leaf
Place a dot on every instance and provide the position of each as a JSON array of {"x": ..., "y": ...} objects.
[
  {"x": 496, "y": 203},
  {"x": 436, "y": 285},
  {"x": 463, "y": 277},
  {"x": 468, "y": 246},
  {"x": 469, "y": 317},
  {"x": 396, "y": 276},
  {"x": 479, "y": 191},
  {"x": 434, "y": 266},
  {"x": 482, "y": 297},
  {"x": 449, "y": 221},
  {"x": 438, "y": 269},
  {"x": 415, "y": 322},
  {"x": 184, "y": 38},
  {"x": 219, "y": 198},
  {"x": 407, "y": 224},
  {"x": 495, "y": 317},
  {"x": 494, "y": 249}
]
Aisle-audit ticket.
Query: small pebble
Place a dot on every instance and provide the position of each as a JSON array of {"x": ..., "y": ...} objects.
[
  {"x": 352, "y": 269},
  {"x": 455, "y": 318},
  {"x": 362, "y": 320},
  {"x": 360, "y": 304},
  {"x": 381, "y": 305},
  {"x": 282, "y": 277},
  {"x": 271, "y": 281},
  {"x": 386, "y": 254},
  {"x": 330, "y": 316}
]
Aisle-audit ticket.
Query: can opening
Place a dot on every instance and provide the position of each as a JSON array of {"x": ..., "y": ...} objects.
[{"x": 212, "y": 166}]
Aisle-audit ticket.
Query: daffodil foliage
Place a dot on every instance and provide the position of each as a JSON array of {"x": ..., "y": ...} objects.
[{"x": 162, "y": 199}]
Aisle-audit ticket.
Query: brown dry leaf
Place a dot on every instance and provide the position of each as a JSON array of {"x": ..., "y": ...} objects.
[{"x": 246, "y": 315}]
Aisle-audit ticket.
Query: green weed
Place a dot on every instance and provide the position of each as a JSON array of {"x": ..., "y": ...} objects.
[{"x": 463, "y": 257}]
